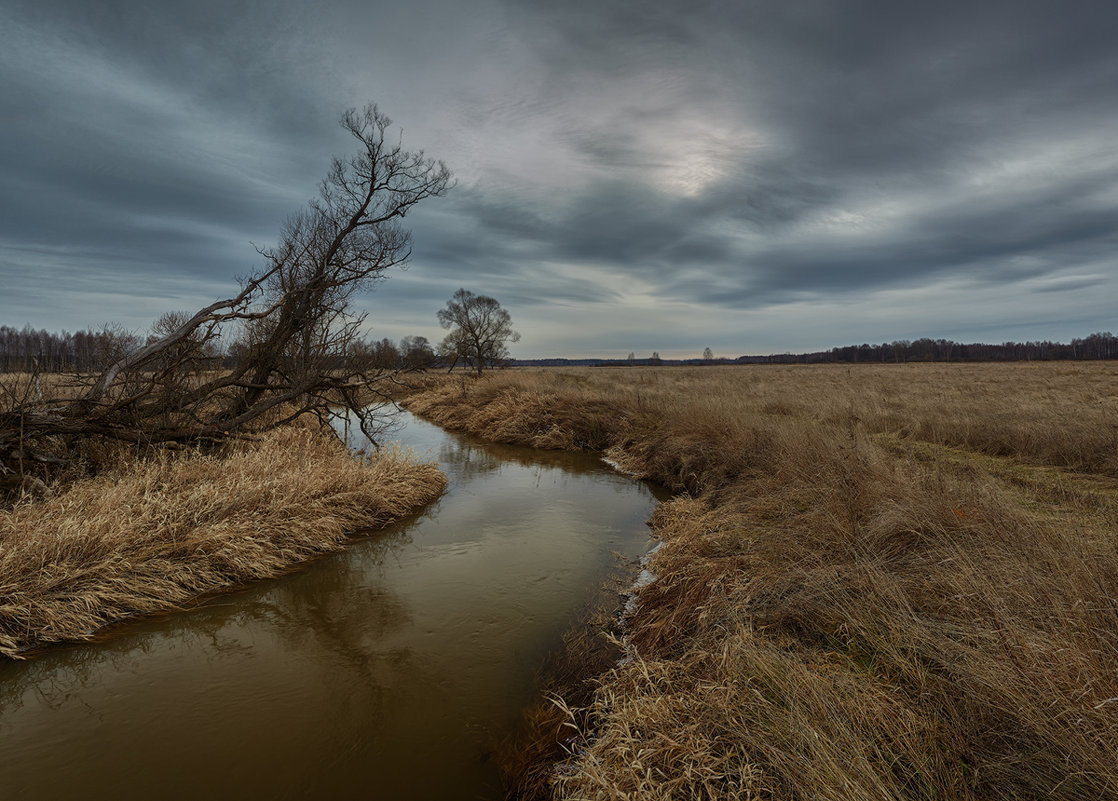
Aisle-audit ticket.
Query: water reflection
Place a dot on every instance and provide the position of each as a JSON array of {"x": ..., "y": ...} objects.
[
  {"x": 388, "y": 671},
  {"x": 468, "y": 460}
]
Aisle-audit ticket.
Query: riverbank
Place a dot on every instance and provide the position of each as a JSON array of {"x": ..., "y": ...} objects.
[
  {"x": 153, "y": 534},
  {"x": 877, "y": 581}
]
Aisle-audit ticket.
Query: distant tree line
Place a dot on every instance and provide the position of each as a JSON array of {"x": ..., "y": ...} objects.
[
  {"x": 22, "y": 350},
  {"x": 1095, "y": 346},
  {"x": 479, "y": 332},
  {"x": 28, "y": 349},
  {"x": 412, "y": 352}
]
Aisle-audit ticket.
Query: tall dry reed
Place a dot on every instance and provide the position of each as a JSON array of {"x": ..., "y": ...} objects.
[
  {"x": 895, "y": 582},
  {"x": 152, "y": 534}
]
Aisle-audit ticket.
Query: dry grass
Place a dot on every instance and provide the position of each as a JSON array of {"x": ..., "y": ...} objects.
[
  {"x": 151, "y": 534},
  {"x": 1060, "y": 414},
  {"x": 527, "y": 756},
  {"x": 895, "y": 582}
]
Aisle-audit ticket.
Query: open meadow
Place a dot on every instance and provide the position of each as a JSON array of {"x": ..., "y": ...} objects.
[{"x": 876, "y": 582}]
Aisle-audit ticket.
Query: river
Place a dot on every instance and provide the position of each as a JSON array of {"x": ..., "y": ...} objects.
[{"x": 386, "y": 672}]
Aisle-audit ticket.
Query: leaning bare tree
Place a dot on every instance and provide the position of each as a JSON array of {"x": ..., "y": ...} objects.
[{"x": 290, "y": 325}]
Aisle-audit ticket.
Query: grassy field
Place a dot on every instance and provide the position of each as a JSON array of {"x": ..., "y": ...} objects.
[
  {"x": 877, "y": 582},
  {"x": 158, "y": 529}
]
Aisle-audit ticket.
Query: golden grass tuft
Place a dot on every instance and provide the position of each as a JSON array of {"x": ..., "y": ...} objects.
[
  {"x": 150, "y": 535},
  {"x": 894, "y": 582}
]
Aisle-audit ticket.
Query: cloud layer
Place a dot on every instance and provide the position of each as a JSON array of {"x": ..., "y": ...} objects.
[{"x": 750, "y": 176}]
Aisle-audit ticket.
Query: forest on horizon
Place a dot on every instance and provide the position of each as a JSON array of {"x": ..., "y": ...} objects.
[{"x": 23, "y": 349}]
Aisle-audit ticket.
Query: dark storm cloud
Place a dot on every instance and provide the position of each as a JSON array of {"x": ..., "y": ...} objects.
[
  {"x": 653, "y": 162},
  {"x": 132, "y": 164},
  {"x": 853, "y": 104}
]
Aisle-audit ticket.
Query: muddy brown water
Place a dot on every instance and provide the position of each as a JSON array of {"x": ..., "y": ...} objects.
[{"x": 386, "y": 672}]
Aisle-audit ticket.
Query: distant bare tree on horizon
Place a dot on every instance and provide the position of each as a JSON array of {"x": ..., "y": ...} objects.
[{"x": 479, "y": 329}]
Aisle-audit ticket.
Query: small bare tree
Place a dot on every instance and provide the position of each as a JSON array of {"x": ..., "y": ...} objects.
[
  {"x": 290, "y": 325},
  {"x": 479, "y": 329}
]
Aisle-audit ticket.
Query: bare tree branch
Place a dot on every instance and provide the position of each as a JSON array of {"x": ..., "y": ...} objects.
[
  {"x": 289, "y": 331},
  {"x": 479, "y": 329}
]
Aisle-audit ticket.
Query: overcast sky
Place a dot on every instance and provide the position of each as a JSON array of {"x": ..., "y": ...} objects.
[{"x": 751, "y": 177}]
